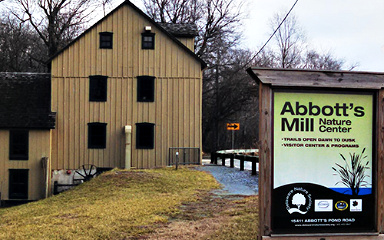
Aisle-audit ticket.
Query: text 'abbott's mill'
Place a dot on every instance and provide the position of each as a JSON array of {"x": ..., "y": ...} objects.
[{"x": 304, "y": 122}]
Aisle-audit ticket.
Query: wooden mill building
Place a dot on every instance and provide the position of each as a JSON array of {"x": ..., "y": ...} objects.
[{"x": 121, "y": 95}]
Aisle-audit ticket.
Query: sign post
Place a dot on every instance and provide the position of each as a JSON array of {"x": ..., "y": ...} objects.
[
  {"x": 321, "y": 154},
  {"x": 233, "y": 127}
]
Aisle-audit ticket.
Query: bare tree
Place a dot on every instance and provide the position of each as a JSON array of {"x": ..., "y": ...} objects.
[
  {"x": 266, "y": 58},
  {"x": 221, "y": 18},
  {"x": 20, "y": 47},
  {"x": 290, "y": 41},
  {"x": 292, "y": 50},
  {"x": 227, "y": 91},
  {"x": 56, "y": 22},
  {"x": 174, "y": 11},
  {"x": 105, "y": 4},
  {"x": 214, "y": 18},
  {"x": 315, "y": 60}
]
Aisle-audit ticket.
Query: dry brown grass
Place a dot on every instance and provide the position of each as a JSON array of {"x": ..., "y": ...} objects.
[
  {"x": 212, "y": 217},
  {"x": 149, "y": 204}
]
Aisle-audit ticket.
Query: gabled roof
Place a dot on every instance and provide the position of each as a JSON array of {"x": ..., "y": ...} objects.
[
  {"x": 25, "y": 101},
  {"x": 181, "y": 29},
  {"x": 128, "y": 3},
  {"x": 317, "y": 78}
]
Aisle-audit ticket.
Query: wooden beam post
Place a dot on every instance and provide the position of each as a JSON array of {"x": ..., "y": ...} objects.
[{"x": 232, "y": 161}]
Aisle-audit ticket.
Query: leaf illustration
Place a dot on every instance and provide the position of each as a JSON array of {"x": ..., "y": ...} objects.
[{"x": 353, "y": 173}]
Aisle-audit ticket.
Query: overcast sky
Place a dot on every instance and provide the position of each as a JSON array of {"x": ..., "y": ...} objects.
[{"x": 350, "y": 29}]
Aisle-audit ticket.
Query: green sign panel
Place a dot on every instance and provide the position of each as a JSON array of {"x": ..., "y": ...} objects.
[{"x": 322, "y": 162}]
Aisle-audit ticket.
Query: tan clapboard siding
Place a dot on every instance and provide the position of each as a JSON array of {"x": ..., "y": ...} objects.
[
  {"x": 176, "y": 111},
  {"x": 38, "y": 147},
  {"x": 176, "y": 118},
  {"x": 189, "y": 42}
]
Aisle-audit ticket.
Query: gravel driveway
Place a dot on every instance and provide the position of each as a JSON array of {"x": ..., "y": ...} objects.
[{"x": 234, "y": 181}]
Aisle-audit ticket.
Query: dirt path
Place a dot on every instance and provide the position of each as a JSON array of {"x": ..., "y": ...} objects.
[
  {"x": 228, "y": 213},
  {"x": 203, "y": 219}
]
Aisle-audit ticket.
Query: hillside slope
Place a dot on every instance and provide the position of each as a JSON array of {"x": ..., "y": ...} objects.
[{"x": 123, "y": 205}]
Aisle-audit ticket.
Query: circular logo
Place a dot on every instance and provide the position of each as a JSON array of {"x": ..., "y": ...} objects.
[
  {"x": 341, "y": 205},
  {"x": 298, "y": 200},
  {"x": 323, "y": 204}
]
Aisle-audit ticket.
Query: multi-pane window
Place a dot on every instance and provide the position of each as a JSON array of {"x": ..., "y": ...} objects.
[
  {"x": 18, "y": 144},
  {"x": 98, "y": 88},
  {"x": 97, "y": 135},
  {"x": 106, "y": 40},
  {"x": 145, "y": 89},
  {"x": 18, "y": 183},
  {"x": 145, "y": 135},
  {"x": 148, "y": 41}
]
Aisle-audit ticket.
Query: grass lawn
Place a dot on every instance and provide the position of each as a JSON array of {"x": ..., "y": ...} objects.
[{"x": 141, "y": 204}]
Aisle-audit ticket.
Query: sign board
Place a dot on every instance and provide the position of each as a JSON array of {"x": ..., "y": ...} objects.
[
  {"x": 323, "y": 178},
  {"x": 233, "y": 126}
]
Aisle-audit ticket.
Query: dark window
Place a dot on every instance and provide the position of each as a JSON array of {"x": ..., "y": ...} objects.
[
  {"x": 145, "y": 89},
  {"x": 98, "y": 88},
  {"x": 18, "y": 183},
  {"x": 18, "y": 144},
  {"x": 97, "y": 135},
  {"x": 145, "y": 134},
  {"x": 106, "y": 40},
  {"x": 148, "y": 41}
]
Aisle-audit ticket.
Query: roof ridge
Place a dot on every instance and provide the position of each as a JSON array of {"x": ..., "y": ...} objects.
[{"x": 129, "y": 3}]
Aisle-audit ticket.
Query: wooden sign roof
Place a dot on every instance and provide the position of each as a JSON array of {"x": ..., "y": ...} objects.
[{"x": 317, "y": 78}]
